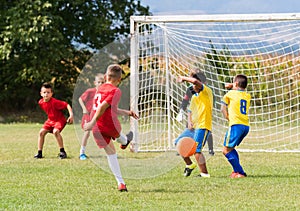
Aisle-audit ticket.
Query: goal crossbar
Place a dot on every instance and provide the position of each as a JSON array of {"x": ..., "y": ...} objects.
[{"x": 214, "y": 18}]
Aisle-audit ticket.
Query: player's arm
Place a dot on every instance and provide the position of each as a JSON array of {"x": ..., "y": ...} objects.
[
  {"x": 70, "y": 119},
  {"x": 84, "y": 110},
  {"x": 224, "y": 110},
  {"x": 228, "y": 85},
  {"x": 100, "y": 110},
  {"x": 185, "y": 102},
  {"x": 124, "y": 112},
  {"x": 190, "y": 123},
  {"x": 192, "y": 80}
]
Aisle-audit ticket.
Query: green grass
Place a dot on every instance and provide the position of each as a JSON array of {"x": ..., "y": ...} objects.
[{"x": 71, "y": 184}]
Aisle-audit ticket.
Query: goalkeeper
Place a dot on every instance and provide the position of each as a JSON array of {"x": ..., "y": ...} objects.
[{"x": 185, "y": 101}]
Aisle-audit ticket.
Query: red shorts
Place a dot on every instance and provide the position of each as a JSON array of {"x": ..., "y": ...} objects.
[
  {"x": 50, "y": 125},
  {"x": 102, "y": 139},
  {"x": 85, "y": 118}
]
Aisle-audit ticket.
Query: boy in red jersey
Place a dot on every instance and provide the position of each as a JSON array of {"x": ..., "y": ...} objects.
[
  {"x": 235, "y": 108},
  {"x": 56, "y": 120},
  {"x": 105, "y": 124},
  {"x": 86, "y": 101}
]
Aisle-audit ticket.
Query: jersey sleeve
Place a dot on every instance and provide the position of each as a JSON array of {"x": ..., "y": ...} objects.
[
  {"x": 114, "y": 97},
  {"x": 60, "y": 105},
  {"x": 225, "y": 99},
  {"x": 84, "y": 96}
]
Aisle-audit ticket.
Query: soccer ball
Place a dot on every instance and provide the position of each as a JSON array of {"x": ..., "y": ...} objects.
[{"x": 186, "y": 146}]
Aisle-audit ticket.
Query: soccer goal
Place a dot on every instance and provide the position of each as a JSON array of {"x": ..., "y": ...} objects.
[{"x": 265, "y": 47}]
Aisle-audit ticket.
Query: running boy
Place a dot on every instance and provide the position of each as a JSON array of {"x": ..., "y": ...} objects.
[
  {"x": 56, "y": 120},
  {"x": 199, "y": 121},
  {"x": 86, "y": 101},
  {"x": 105, "y": 123},
  {"x": 235, "y": 107}
]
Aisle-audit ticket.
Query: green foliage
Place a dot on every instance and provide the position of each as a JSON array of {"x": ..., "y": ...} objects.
[
  {"x": 272, "y": 81},
  {"x": 52, "y": 40}
]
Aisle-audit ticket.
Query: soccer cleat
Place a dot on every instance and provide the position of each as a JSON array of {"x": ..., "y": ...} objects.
[
  {"x": 234, "y": 175},
  {"x": 83, "y": 157},
  {"x": 204, "y": 175},
  {"x": 38, "y": 156},
  {"x": 188, "y": 169},
  {"x": 211, "y": 152},
  {"x": 62, "y": 155},
  {"x": 129, "y": 139},
  {"x": 122, "y": 187}
]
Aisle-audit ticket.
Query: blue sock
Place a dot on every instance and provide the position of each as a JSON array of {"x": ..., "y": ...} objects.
[{"x": 233, "y": 159}]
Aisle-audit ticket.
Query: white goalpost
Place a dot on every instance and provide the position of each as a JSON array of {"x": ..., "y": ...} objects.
[{"x": 265, "y": 47}]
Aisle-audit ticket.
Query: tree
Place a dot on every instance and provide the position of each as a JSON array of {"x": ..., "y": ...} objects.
[{"x": 52, "y": 40}]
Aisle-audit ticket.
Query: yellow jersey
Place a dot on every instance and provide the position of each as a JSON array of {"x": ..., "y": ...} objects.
[
  {"x": 201, "y": 109},
  {"x": 238, "y": 103}
]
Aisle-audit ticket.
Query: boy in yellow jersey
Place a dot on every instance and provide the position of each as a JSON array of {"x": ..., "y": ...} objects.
[
  {"x": 235, "y": 108},
  {"x": 199, "y": 120}
]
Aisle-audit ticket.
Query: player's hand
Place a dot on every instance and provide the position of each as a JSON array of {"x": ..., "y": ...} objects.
[
  {"x": 228, "y": 85},
  {"x": 88, "y": 126},
  {"x": 179, "y": 79},
  {"x": 179, "y": 117},
  {"x": 134, "y": 115},
  {"x": 190, "y": 126},
  {"x": 70, "y": 120}
]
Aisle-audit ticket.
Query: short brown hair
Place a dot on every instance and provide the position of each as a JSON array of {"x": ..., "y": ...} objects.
[
  {"x": 114, "y": 71},
  {"x": 241, "y": 80},
  {"x": 47, "y": 85}
]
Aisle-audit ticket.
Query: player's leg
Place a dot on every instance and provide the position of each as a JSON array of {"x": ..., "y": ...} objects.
[
  {"x": 114, "y": 165},
  {"x": 189, "y": 164},
  {"x": 41, "y": 139},
  {"x": 200, "y": 137},
  {"x": 59, "y": 126},
  {"x": 186, "y": 133},
  {"x": 85, "y": 137},
  {"x": 62, "y": 154},
  {"x": 210, "y": 144},
  {"x": 125, "y": 140},
  {"x": 202, "y": 164},
  {"x": 233, "y": 138}
]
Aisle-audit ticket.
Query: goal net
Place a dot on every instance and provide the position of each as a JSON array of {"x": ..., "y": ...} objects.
[{"x": 265, "y": 47}]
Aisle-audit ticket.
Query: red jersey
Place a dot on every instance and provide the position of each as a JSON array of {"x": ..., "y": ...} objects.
[
  {"x": 53, "y": 109},
  {"x": 87, "y": 98},
  {"x": 108, "y": 123}
]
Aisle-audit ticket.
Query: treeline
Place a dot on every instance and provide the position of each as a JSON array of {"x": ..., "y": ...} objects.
[{"x": 50, "y": 41}]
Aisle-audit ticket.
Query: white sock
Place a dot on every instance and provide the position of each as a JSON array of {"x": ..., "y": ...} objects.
[
  {"x": 115, "y": 167},
  {"x": 122, "y": 139},
  {"x": 82, "y": 150}
]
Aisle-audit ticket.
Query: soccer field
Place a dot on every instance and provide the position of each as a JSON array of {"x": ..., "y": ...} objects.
[{"x": 273, "y": 181}]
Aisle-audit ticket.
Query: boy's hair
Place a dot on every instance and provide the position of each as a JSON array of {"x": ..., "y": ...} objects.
[
  {"x": 114, "y": 71},
  {"x": 199, "y": 75},
  {"x": 47, "y": 85},
  {"x": 100, "y": 75},
  {"x": 241, "y": 80}
]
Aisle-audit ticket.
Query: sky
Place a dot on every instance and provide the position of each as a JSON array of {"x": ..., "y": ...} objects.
[{"x": 201, "y": 7}]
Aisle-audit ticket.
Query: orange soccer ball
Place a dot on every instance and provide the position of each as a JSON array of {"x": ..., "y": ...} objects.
[{"x": 186, "y": 146}]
